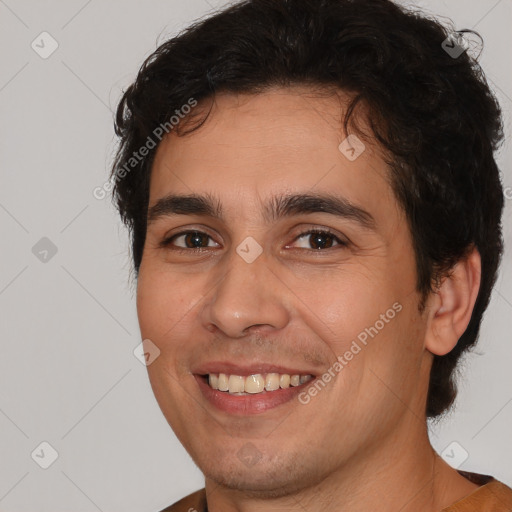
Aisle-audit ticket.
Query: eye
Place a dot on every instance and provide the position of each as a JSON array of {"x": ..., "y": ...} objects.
[
  {"x": 314, "y": 239},
  {"x": 190, "y": 240},
  {"x": 319, "y": 239}
]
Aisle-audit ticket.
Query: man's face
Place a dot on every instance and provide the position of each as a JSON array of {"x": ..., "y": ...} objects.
[{"x": 213, "y": 304}]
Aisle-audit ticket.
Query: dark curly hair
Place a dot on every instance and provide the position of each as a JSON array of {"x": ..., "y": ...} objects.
[{"x": 433, "y": 113}]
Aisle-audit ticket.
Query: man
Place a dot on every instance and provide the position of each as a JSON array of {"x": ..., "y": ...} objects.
[{"x": 315, "y": 216}]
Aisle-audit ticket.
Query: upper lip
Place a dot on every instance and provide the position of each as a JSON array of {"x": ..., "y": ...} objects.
[{"x": 247, "y": 369}]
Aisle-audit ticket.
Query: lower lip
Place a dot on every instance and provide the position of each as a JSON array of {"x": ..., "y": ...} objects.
[{"x": 246, "y": 405}]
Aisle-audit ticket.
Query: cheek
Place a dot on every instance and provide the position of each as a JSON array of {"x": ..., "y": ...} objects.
[
  {"x": 162, "y": 303},
  {"x": 344, "y": 303},
  {"x": 149, "y": 305},
  {"x": 394, "y": 356}
]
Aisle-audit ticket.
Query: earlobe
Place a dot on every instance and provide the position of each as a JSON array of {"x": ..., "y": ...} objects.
[{"x": 452, "y": 304}]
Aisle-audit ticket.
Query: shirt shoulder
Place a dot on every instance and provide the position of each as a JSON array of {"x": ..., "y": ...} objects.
[
  {"x": 195, "y": 502},
  {"x": 492, "y": 496}
]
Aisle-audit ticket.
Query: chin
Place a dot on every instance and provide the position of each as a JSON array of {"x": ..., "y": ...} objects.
[
  {"x": 263, "y": 486},
  {"x": 264, "y": 479}
]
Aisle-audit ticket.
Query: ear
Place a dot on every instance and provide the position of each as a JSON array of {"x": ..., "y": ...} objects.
[{"x": 450, "y": 307}]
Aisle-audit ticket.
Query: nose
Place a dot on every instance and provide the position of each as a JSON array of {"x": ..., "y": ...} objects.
[{"x": 248, "y": 295}]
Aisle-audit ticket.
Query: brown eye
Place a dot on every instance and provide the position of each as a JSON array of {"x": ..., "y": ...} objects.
[
  {"x": 190, "y": 240},
  {"x": 318, "y": 240},
  {"x": 195, "y": 239}
]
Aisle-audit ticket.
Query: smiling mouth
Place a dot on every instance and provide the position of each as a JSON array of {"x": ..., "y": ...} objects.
[{"x": 254, "y": 384}]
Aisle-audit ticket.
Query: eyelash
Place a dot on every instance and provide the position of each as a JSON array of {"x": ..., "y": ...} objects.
[{"x": 167, "y": 243}]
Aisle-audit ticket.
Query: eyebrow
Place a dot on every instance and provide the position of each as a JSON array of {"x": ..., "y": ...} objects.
[{"x": 277, "y": 207}]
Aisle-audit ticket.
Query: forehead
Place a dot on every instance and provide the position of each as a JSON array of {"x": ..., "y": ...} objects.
[
  {"x": 285, "y": 140},
  {"x": 277, "y": 120}
]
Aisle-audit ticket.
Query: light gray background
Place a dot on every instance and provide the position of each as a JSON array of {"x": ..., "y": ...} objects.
[{"x": 68, "y": 375}]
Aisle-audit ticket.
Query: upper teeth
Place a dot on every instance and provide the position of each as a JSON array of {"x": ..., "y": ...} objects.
[{"x": 256, "y": 383}]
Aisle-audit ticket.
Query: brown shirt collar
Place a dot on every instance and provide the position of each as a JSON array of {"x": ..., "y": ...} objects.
[{"x": 491, "y": 496}]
